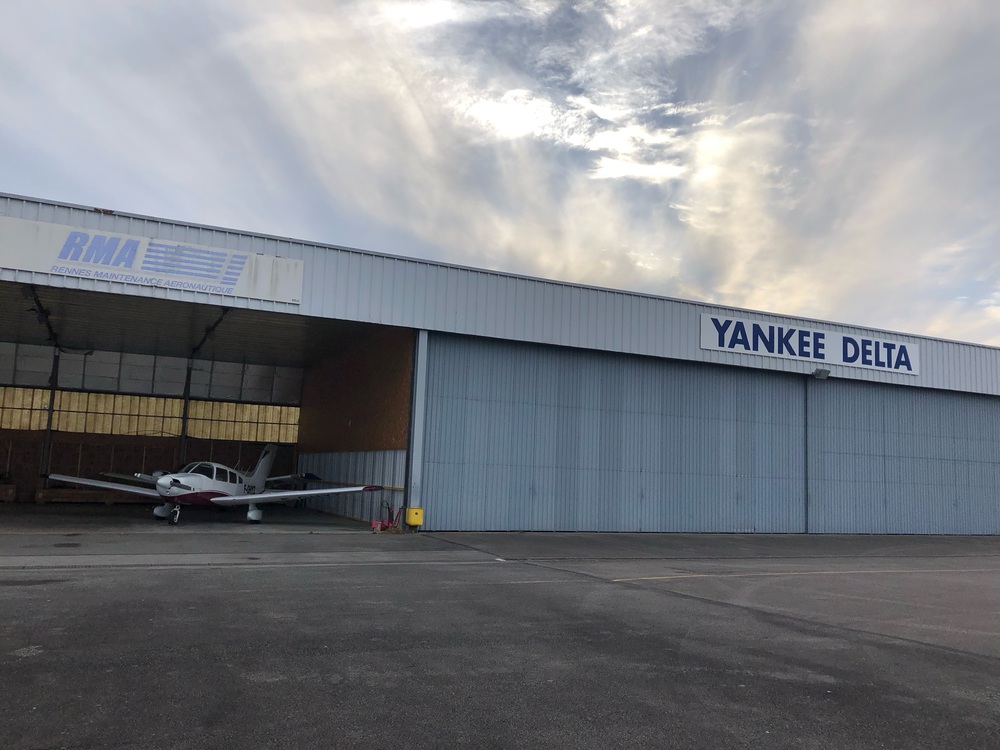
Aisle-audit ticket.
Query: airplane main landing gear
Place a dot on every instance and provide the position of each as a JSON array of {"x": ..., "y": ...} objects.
[{"x": 175, "y": 514}]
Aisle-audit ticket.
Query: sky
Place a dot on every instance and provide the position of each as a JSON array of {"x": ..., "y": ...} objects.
[{"x": 834, "y": 159}]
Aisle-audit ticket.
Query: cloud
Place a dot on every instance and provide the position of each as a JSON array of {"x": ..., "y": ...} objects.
[
  {"x": 898, "y": 159},
  {"x": 826, "y": 159},
  {"x": 497, "y": 146}
]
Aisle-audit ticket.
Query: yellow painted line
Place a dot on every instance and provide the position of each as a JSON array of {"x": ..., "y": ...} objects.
[{"x": 681, "y": 576}]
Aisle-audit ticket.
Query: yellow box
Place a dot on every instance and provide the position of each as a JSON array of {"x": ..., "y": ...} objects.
[{"x": 414, "y": 516}]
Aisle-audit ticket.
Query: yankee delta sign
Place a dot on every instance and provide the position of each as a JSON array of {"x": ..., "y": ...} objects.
[{"x": 745, "y": 336}]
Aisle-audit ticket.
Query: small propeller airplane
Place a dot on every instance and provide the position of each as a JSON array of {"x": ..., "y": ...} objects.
[{"x": 207, "y": 483}]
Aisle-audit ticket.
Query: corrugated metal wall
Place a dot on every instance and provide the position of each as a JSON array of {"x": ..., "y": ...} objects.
[
  {"x": 522, "y": 437},
  {"x": 355, "y": 285},
  {"x": 902, "y": 461},
  {"x": 543, "y": 438},
  {"x": 117, "y": 372},
  {"x": 387, "y": 468}
]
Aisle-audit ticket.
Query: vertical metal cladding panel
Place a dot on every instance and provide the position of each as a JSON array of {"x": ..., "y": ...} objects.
[
  {"x": 8, "y": 356},
  {"x": 492, "y": 300},
  {"x": 529, "y": 437},
  {"x": 357, "y": 285},
  {"x": 386, "y": 468},
  {"x": 33, "y": 365},
  {"x": 887, "y": 460},
  {"x": 136, "y": 374},
  {"x": 373, "y": 276}
]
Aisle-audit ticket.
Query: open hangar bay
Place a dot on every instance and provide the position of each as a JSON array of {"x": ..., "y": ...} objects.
[{"x": 491, "y": 401}]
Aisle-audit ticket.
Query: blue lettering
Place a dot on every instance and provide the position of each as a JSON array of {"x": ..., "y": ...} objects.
[
  {"x": 851, "y": 349},
  {"x": 721, "y": 330},
  {"x": 903, "y": 358},
  {"x": 803, "y": 343},
  {"x": 126, "y": 256},
  {"x": 101, "y": 249},
  {"x": 888, "y": 354},
  {"x": 785, "y": 345},
  {"x": 733, "y": 334},
  {"x": 67, "y": 271},
  {"x": 866, "y": 351},
  {"x": 739, "y": 336},
  {"x": 760, "y": 338},
  {"x": 74, "y": 246},
  {"x": 819, "y": 345}
]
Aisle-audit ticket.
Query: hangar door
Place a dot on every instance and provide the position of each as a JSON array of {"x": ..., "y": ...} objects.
[
  {"x": 891, "y": 460},
  {"x": 530, "y": 437}
]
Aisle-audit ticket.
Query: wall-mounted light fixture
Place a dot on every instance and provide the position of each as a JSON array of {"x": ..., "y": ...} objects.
[{"x": 821, "y": 374}]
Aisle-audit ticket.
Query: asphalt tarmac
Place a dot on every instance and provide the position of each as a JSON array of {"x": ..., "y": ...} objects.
[{"x": 311, "y": 632}]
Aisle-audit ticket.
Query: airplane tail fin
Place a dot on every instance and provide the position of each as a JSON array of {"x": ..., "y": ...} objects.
[{"x": 263, "y": 467}]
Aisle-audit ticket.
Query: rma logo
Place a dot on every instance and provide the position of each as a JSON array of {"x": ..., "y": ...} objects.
[{"x": 99, "y": 249}]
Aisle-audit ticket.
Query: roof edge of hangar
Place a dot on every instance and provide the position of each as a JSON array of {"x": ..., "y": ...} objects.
[{"x": 380, "y": 288}]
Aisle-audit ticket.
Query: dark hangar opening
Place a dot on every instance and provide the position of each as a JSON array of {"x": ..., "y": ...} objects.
[{"x": 92, "y": 382}]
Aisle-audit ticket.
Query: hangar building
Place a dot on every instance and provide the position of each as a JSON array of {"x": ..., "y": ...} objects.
[{"x": 492, "y": 401}]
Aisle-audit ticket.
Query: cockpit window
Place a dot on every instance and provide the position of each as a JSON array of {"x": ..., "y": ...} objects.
[
  {"x": 233, "y": 479},
  {"x": 189, "y": 468},
  {"x": 203, "y": 469}
]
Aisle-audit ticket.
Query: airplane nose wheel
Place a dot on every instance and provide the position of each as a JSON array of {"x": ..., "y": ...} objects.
[{"x": 175, "y": 515}]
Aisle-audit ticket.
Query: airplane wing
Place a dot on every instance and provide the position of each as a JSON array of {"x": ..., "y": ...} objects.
[
  {"x": 308, "y": 477},
  {"x": 277, "y": 497},
  {"x": 105, "y": 485},
  {"x": 144, "y": 478}
]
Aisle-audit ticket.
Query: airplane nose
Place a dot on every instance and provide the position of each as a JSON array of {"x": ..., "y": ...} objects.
[{"x": 163, "y": 485}]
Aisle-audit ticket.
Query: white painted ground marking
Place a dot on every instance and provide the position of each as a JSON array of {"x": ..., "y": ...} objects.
[{"x": 680, "y": 576}]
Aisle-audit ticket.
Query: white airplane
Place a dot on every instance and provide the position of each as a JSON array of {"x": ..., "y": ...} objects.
[{"x": 207, "y": 483}]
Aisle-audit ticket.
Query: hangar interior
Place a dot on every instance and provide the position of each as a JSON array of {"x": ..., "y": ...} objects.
[
  {"x": 93, "y": 383},
  {"x": 490, "y": 401}
]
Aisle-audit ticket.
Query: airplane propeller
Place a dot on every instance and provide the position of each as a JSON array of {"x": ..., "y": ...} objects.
[{"x": 168, "y": 482}]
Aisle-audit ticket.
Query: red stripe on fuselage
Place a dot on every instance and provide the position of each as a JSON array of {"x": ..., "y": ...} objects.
[{"x": 196, "y": 498}]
